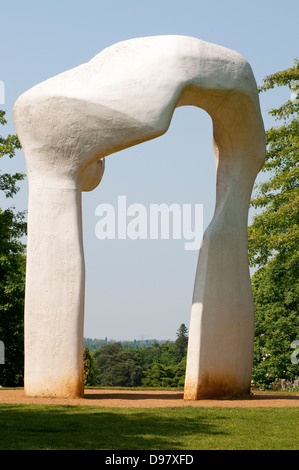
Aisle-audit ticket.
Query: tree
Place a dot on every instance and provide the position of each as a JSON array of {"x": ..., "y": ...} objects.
[
  {"x": 8, "y": 146},
  {"x": 168, "y": 365},
  {"x": 12, "y": 272},
  {"x": 161, "y": 375},
  {"x": 89, "y": 368},
  {"x": 181, "y": 343},
  {"x": 273, "y": 242},
  {"x": 118, "y": 367}
]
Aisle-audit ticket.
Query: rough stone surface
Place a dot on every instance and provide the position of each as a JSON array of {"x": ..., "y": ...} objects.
[{"x": 67, "y": 125}]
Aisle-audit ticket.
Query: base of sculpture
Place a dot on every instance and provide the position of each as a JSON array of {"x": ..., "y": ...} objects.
[
  {"x": 214, "y": 391},
  {"x": 67, "y": 388}
]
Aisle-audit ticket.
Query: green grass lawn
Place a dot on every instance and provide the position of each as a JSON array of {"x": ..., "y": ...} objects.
[{"x": 26, "y": 427}]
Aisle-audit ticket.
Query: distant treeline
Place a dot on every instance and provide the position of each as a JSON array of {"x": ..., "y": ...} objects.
[
  {"x": 148, "y": 363},
  {"x": 95, "y": 343}
]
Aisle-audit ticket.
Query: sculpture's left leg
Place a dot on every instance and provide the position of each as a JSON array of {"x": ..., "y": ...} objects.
[
  {"x": 54, "y": 302},
  {"x": 55, "y": 272}
]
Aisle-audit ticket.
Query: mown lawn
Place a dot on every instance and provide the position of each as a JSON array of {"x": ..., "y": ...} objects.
[{"x": 41, "y": 427}]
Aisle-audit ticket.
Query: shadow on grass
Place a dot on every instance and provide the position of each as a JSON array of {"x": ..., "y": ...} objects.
[
  {"x": 166, "y": 395},
  {"x": 67, "y": 427},
  {"x": 134, "y": 396}
]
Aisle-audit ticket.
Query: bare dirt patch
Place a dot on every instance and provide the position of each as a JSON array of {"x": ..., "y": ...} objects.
[{"x": 149, "y": 399}]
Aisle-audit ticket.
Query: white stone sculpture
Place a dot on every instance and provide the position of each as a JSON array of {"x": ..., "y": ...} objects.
[{"x": 67, "y": 125}]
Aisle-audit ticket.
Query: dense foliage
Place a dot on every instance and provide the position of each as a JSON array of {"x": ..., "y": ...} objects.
[
  {"x": 12, "y": 272},
  {"x": 156, "y": 365},
  {"x": 274, "y": 243},
  {"x": 89, "y": 367}
]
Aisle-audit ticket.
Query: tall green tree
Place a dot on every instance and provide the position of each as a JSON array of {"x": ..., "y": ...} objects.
[
  {"x": 118, "y": 367},
  {"x": 12, "y": 271},
  {"x": 89, "y": 368},
  {"x": 273, "y": 241},
  {"x": 161, "y": 375},
  {"x": 181, "y": 342}
]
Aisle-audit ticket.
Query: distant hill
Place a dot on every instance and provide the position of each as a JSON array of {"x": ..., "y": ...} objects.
[{"x": 94, "y": 343}]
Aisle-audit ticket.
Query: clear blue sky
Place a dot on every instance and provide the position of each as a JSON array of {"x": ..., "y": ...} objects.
[{"x": 142, "y": 289}]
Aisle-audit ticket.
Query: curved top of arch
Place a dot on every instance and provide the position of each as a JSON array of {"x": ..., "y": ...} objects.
[{"x": 127, "y": 94}]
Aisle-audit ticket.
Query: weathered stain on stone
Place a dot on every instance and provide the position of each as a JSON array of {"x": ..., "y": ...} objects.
[{"x": 215, "y": 387}]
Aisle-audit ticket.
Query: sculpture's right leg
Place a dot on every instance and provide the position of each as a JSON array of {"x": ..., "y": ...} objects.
[{"x": 221, "y": 334}]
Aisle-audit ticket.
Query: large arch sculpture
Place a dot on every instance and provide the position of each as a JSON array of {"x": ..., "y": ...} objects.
[{"x": 67, "y": 125}]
